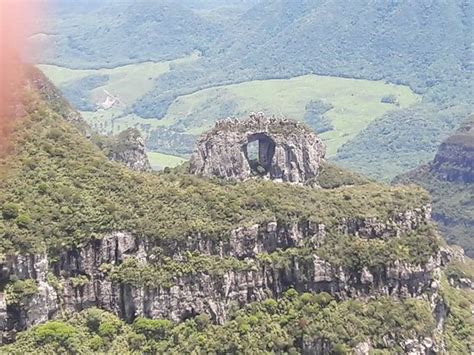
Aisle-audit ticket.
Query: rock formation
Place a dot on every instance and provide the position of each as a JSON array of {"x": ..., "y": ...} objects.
[
  {"x": 273, "y": 148},
  {"x": 454, "y": 160},
  {"x": 179, "y": 247},
  {"x": 449, "y": 178},
  {"x": 128, "y": 148},
  {"x": 85, "y": 277}
]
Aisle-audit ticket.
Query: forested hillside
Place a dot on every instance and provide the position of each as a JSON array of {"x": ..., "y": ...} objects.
[
  {"x": 260, "y": 243},
  {"x": 180, "y": 263}
]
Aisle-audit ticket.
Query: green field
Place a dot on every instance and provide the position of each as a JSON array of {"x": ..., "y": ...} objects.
[
  {"x": 355, "y": 102},
  {"x": 159, "y": 161},
  {"x": 128, "y": 83}
]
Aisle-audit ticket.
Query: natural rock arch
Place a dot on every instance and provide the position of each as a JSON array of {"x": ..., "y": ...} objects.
[
  {"x": 287, "y": 150},
  {"x": 265, "y": 147}
]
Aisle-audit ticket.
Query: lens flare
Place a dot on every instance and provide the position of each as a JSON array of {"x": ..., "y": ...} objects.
[{"x": 17, "y": 21}]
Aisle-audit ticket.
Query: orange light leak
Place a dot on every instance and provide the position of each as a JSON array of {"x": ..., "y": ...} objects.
[{"x": 17, "y": 22}]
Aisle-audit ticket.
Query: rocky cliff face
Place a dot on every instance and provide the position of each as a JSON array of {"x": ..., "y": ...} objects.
[
  {"x": 284, "y": 150},
  {"x": 450, "y": 180},
  {"x": 96, "y": 275},
  {"x": 77, "y": 231},
  {"x": 128, "y": 148},
  {"x": 455, "y": 158}
]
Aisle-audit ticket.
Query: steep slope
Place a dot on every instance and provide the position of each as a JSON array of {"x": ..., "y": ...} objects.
[
  {"x": 129, "y": 32},
  {"x": 455, "y": 158},
  {"x": 127, "y": 147},
  {"x": 449, "y": 178},
  {"x": 79, "y": 231}
]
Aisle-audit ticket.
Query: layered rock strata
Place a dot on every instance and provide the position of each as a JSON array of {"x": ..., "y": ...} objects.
[{"x": 87, "y": 277}]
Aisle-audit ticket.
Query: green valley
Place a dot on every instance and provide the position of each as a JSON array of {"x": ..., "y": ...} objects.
[
  {"x": 236, "y": 177},
  {"x": 325, "y": 62},
  {"x": 351, "y": 103},
  {"x": 354, "y": 103}
]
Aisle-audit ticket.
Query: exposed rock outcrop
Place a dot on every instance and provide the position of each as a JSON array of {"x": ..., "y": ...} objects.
[
  {"x": 85, "y": 276},
  {"x": 449, "y": 178},
  {"x": 285, "y": 150},
  {"x": 455, "y": 158},
  {"x": 128, "y": 148},
  {"x": 34, "y": 309}
]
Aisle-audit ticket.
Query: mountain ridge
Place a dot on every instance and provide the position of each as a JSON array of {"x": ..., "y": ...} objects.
[
  {"x": 176, "y": 254},
  {"x": 449, "y": 179}
]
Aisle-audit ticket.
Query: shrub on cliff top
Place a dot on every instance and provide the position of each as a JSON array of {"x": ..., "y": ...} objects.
[
  {"x": 73, "y": 193},
  {"x": 20, "y": 291},
  {"x": 10, "y": 210}
]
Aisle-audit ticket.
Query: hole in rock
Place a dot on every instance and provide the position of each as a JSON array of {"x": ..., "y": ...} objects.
[{"x": 259, "y": 152}]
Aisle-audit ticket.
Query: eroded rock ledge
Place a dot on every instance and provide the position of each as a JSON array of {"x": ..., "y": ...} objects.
[
  {"x": 128, "y": 148},
  {"x": 273, "y": 148},
  {"x": 131, "y": 277}
]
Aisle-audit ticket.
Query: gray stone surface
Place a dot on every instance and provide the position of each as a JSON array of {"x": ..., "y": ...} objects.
[
  {"x": 288, "y": 150},
  {"x": 128, "y": 148}
]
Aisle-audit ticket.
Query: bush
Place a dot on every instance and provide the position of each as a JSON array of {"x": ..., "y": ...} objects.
[
  {"x": 202, "y": 321},
  {"x": 323, "y": 299},
  {"x": 79, "y": 281},
  {"x": 19, "y": 291},
  {"x": 109, "y": 328},
  {"x": 23, "y": 221},
  {"x": 340, "y": 349},
  {"x": 54, "y": 331},
  {"x": 389, "y": 99},
  {"x": 10, "y": 210},
  {"x": 152, "y": 328}
]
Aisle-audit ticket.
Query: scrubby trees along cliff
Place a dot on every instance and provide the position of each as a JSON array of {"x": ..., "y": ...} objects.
[
  {"x": 98, "y": 257},
  {"x": 197, "y": 264}
]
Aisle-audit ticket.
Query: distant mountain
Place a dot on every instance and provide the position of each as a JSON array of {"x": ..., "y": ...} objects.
[
  {"x": 450, "y": 180},
  {"x": 128, "y": 32}
]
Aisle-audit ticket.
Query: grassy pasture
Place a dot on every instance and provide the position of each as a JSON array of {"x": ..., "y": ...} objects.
[
  {"x": 355, "y": 103},
  {"x": 128, "y": 82},
  {"x": 159, "y": 161}
]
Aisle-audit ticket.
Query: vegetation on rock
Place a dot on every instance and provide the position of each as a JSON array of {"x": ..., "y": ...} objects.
[
  {"x": 450, "y": 180},
  {"x": 58, "y": 192},
  {"x": 289, "y": 324},
  {"x": 71, "y": 194}
]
